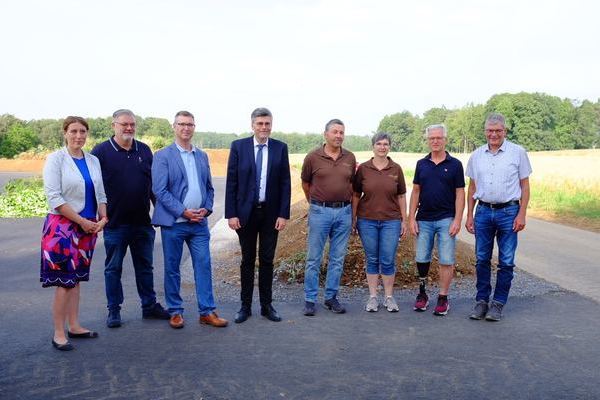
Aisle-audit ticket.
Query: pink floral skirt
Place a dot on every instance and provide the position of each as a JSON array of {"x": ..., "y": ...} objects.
[{"x": 66, "y": 252}]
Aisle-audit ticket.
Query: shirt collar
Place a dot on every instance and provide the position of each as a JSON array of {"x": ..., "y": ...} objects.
[
  {"x": 322, "y": 151},
  {"x": 501, "y": 148},
  {"x": 117, "y": 147},
  {"x": 256, "y": 142},
  {"x": 447, "y": 158},
  {"x": 182, "y": 150}
]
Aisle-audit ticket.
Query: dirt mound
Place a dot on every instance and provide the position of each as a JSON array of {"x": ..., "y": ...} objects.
[
  {"x": 218, "y": 161},
  {"x": 291, "y": 256}
]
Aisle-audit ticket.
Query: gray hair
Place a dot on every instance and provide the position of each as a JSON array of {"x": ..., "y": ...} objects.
[
  {"x": 332, "y": 122},
  {"x": 122, "y": 111},
  {"x": 183, "y": 114},
  {"x": 434, "y": 127},
  {"x": 260, "y": 112},
  {"x": 495, "y": 118},
  {"x": 381, "y": 136}
]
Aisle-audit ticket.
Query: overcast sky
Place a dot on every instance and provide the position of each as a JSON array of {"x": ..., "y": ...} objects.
[{"x": 308, "y": 61}]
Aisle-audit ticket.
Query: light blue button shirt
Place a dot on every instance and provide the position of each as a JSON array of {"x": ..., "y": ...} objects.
[
  {"x": 497, "y": 175},
  {"x": 263, "y": 173},
  {"x": 193, "y": 197}
]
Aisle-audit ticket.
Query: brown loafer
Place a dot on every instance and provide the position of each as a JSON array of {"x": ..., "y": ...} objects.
[
  {"x": 176, "y": 321},
  {"x": 214, "y": 320}
]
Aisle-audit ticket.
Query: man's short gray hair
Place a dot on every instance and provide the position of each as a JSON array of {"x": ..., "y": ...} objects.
[
  {"x": 332, "y": 122},
  {"x": 260, "y": 112},
  {"x": 381, "y": 136},
  {"x": 435, "y": 127},
  {"x": 495, "y": 118},
  {"x": 122, "y": 111}
]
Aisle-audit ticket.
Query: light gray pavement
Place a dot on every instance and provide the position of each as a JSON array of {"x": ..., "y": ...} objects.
[
  {"x": 7, "y": 176},
  {"x": 569, "y": 257}
]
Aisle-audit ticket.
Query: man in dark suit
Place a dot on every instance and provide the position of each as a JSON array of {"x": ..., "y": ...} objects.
[{"x": 257, "y": 206}]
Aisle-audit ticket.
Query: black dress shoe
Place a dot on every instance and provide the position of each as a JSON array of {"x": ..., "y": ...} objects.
[
  {"x": 269, "y": 313},
  {"x": 62, "y": 347},
  {"x": 242, "y": 315},
  {"x": 84, "y": 335}
]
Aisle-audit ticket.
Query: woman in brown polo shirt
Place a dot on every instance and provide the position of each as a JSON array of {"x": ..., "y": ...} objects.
[{"x": 378, "y": 209}]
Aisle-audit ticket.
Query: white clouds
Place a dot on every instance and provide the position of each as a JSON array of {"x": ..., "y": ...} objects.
[{"x": 309, "y": 61}]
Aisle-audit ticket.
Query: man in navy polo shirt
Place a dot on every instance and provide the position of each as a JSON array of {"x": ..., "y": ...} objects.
[
  {"x": 126, "y": 164},
  {"x": 438, "y": 200}
]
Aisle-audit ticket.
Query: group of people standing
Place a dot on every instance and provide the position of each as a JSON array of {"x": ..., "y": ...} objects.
[{"x": 112, "y": 190}]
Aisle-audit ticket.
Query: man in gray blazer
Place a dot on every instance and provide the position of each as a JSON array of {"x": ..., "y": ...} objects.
[{"x": 182, "y": 184}]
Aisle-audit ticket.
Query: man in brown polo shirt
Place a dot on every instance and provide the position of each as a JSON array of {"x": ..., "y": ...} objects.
[{"x": 327, "y": 175}]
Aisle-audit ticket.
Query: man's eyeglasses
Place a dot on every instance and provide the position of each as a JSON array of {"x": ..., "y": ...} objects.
[
  {"x": 125, "y": 124},
  {"x": 185, "y": 125},
  {"x": 435, "y": 138},
  {"x": 494, "y": 130}
]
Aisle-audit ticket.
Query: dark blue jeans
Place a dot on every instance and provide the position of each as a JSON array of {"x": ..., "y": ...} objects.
[
  {"x": 498, "y": 224},
  {"x": 140, "y": 240}
]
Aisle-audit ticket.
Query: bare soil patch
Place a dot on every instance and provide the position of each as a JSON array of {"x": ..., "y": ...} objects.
[{"x": 217, "y": 158}]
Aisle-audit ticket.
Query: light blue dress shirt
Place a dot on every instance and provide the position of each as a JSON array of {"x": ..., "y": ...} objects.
[
  {"x": 498, "y": 175},
  {"x": 193, "y": 197}
]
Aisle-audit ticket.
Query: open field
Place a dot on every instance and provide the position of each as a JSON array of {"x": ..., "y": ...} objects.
[{"x": 565, "y": 185}]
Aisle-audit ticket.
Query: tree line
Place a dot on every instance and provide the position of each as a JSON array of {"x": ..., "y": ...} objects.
[{"x": 537, "y": 121}]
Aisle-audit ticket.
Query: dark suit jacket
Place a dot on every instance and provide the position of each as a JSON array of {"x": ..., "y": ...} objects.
[
  {"x": 241, "y": 181},
  {"x": 170, "y": 184}
]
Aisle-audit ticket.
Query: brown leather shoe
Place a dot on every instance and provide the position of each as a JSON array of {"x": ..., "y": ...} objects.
[
  {"x": 176, "y": 321},
  {"x": 214, "y": 320}
]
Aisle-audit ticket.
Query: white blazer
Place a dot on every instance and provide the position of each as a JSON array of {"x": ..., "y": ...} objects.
[{"x": 63, "y": 182}]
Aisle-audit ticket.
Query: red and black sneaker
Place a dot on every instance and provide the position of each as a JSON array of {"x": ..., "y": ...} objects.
[
  {"x": 422, "y": 302},
  {"x": 442, "y": 306}
]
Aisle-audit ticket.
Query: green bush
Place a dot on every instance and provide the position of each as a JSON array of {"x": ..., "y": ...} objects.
[{"x": 23, "y": 198}]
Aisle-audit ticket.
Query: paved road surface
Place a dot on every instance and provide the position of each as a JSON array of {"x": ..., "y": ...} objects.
[
  {"x": 7, "y": 176},
  {"x": 569, "y": 257},
  {"x": 546, "y": 347}
]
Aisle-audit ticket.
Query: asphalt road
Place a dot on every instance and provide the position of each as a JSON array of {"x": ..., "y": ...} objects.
[
  {"x": 546, "y": 347},
  {"x": 7, "y": 176}
]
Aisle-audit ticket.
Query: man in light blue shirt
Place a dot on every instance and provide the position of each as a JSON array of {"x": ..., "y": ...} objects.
[
  {"x": 182, "y": 184},
  {"x": 499, "y": 182}
]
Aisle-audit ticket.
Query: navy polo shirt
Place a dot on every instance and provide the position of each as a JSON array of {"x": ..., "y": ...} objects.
[
  {"x": 438, "y": 184},
  {"x": 127, "y": 182}
]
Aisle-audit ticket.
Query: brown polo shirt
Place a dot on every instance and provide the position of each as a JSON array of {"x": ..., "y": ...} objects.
[
  {"x": 380, "y": 190},
  {"x": 330, "y": 180}
]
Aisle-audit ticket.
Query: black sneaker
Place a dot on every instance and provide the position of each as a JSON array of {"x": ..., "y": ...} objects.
[
  {"x": 334, "y": 305},
  {"x": 495, "y": 311},
  {"x": 156, "y": 312},
  {"x": 480, "y": 309},
  {"x": 309, "y": 308},
  {"x": 114, "y": 319}
]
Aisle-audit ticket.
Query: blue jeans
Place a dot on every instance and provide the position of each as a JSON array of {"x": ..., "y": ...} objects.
[
  {"x": 490, "y": 224},
  {"x": 140, "y": 240},
  {"x": 380, "y": 241},
  {"x": 446, "y": 244},
  {"x": 323, "y": 223},
  {"x": 196, "y": 236}
]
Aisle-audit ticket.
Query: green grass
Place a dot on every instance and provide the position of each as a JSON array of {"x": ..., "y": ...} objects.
[
  {"x": 566, "y": 198},
  {"x": 23, "y": 198}
]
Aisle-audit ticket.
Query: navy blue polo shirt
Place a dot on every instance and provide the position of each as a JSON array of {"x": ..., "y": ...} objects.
[
  {"x": 438, "y": 184},
  {"x": 127, "y": 182}
]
